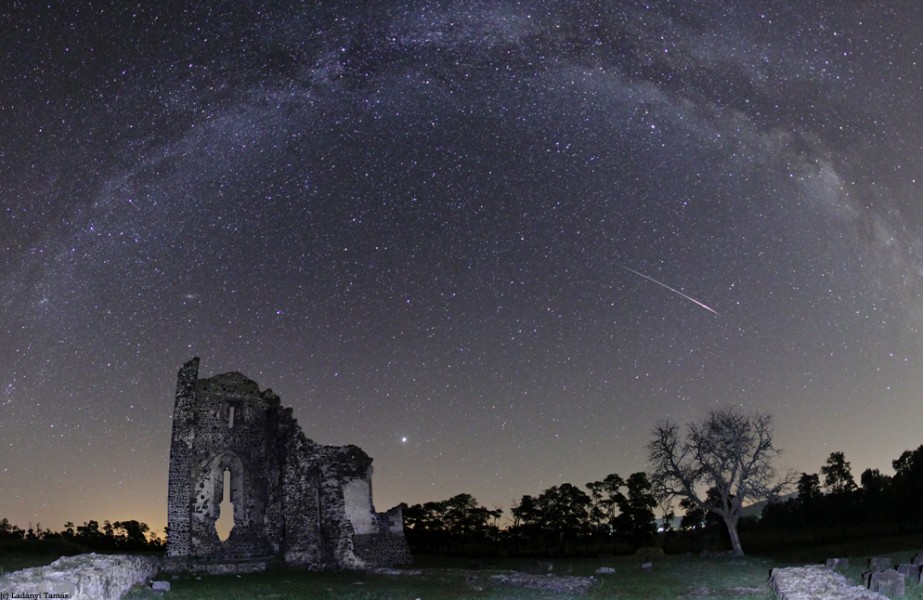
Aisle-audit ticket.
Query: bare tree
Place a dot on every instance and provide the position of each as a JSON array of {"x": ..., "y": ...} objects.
[{"x": 728, "y": 451}]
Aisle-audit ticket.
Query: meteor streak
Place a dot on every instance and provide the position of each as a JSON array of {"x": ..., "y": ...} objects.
[{"x": 689, "y": 298}]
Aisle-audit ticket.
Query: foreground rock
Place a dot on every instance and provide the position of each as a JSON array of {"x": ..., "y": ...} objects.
[
  {"x": 888, "y": 582},
  {"x": 552, "y": 583},
  {"x": 83, "y": 577},
  {"x": 838, "y": 564},
  {"x": 816, "y": 583},
  {"x": 881, "y": 563}
]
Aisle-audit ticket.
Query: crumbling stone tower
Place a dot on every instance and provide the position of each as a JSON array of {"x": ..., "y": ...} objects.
[{"x": 293, "y": 500}]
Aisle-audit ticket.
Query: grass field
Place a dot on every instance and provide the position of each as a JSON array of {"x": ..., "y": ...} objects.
[
  {"x": 683, "y": 577},
  {"x": 671, "y": 577}
]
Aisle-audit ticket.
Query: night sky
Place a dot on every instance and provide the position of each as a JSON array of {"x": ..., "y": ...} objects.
[{"x": 491, "y": 243}]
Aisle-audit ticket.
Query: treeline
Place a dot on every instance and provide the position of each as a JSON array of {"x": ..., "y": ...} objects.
[
  {"x": 617, "y": 516},
  {"x": 831, "y": 504},
  {"x": 611, "y": 515},
  {"x": 119, "y": 536}
]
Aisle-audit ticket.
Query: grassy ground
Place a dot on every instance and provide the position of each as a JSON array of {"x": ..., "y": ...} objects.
[
  {"x": 672, "y": 577},
  {"x": 683, "y": 577}
]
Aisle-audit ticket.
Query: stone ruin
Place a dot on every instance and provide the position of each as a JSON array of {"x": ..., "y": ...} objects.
[
  {"x": 881, "y": 580},
  {"x": 82, "y": 577},
  {"x": 816, "y": 582},
  {"x": 294, "y": 501}
]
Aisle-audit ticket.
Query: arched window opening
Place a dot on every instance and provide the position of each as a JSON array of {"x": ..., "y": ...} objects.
[{"x": 225, "y": 521}]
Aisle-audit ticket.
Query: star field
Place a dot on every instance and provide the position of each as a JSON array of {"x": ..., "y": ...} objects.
[{"x": 423, "y": 224}]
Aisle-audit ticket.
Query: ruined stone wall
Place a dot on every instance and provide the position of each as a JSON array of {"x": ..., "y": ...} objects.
[
  {"x": 82, "y": 577},
  {"x": 383, "y": 549},
  {"x": 815, "y": 582},
  {"x": 179, "y": 491},
  {"x": 357, "y": 499},
  {"x": 298, "y": 503},
  {"x": 386, "y": 545},
  {"x": 236, "y": 439},
  {"x": 292, "y": 499}
]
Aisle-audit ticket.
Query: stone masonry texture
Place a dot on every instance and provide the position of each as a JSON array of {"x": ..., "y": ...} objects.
[
  {"x": 816, "y": 583},
  {"x": 82, "y": 577},
  {"x": 293, "y": 500}
]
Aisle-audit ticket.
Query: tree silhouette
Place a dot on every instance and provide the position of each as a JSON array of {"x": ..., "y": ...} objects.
[
  {"x": 837, "y": 474},
  {"x": 460, "y": 519},
  {"x": 466, "y": 520},
  {"x": 564, "y": 513},
  {"x": 127, "y": 535},
  {"x": 130, "y": 535},
  {"x": 697, "y": 520},
  {"x": 605, "y": 497},
  {"x": 89, "y": 534},
  {"x": 907, "y": 483},
  {"x": 808, "y": 488},
  {"x": 636, "y": 522},
  {"x": 874, "y": 483},
  {"x": 694, "y": 517},
  {"x": 424, "y": 524},
  {"x": 527, "y": 521},
  {"x": 728, "y": 451},
  {"x": 559, "y": 515}
]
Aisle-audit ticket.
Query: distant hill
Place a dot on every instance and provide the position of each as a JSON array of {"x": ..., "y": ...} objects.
[
  {"x": 751, "y": 510},
  {"x": 756, "y": 509}
]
